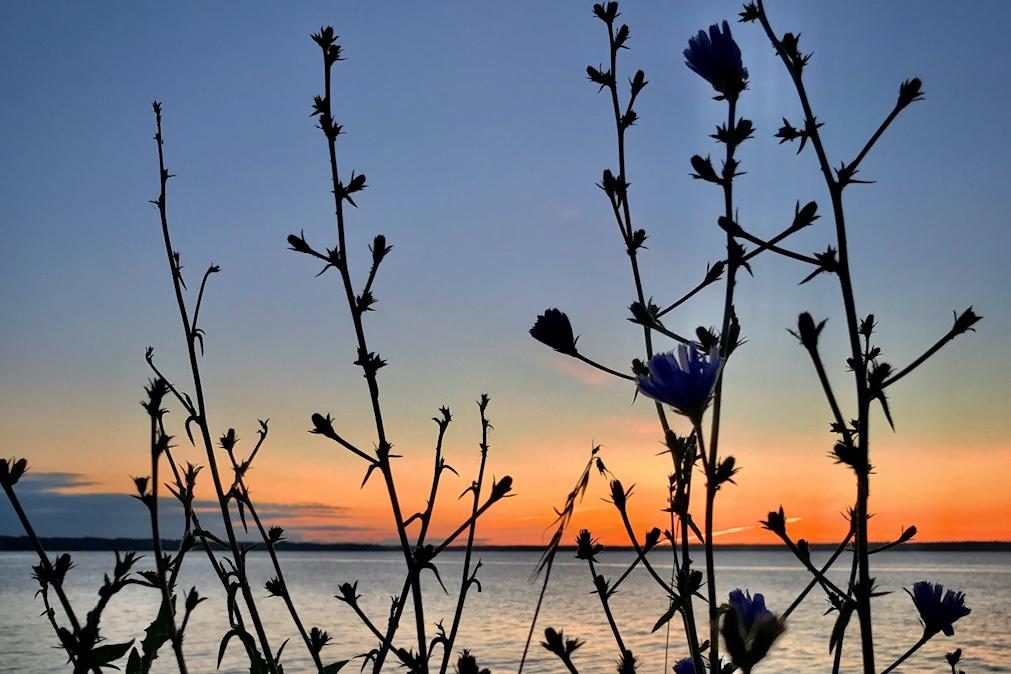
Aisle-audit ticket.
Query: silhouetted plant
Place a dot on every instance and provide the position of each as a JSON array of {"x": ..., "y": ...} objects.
[
  {"x": 82, "y": 640},
  {"x": 690, "y": 380}
]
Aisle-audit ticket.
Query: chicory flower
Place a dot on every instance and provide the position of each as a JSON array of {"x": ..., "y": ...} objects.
[
  {"x": 684, "y": 380},
  {"x": 938, "y": 608},
  {"x": 717, "y": 59}
]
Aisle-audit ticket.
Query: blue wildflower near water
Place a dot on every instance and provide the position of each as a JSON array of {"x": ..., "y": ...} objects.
[
  {"x": 684, "y": 380},
  {"x": 749, "y": 629},
  {"x": 685, "y": 666},
  {"x": 717, "y": 59},
  {"x": 939, "y": 608}
]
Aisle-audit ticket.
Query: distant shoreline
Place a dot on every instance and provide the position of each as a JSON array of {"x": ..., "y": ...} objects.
[{"x": 86, "y": 544}]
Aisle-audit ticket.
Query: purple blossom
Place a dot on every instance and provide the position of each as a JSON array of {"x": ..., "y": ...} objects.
[
  {"x": 750, "y": 609},
  {"x": 717, "y": 59},
  {"x": 685, "y": 666},
  {"x": 938, "y": 608},
  {"x": 684, "y": 380}
]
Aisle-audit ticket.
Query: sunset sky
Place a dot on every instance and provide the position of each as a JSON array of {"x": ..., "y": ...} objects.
[{"x": 482, "y": 140}]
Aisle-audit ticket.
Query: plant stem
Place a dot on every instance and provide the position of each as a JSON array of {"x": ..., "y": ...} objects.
[{"x": 200, "y": 408}]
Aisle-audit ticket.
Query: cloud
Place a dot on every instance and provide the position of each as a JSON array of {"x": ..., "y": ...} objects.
[{"x": 56, "y": 509}]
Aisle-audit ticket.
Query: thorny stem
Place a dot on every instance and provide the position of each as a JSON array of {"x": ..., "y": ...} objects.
[
  {"x": 604, "y": 368},
  {"x": 714, "y": 429},
  {"x": 835, "y": 189},
  {"x": 271, "y": 552},
  {"x": 201, "y": 410},
  {"x": 815, "y": 580},
  {"x": 919, "y": 361},
  {"x": 373, "y": 386},
  {"x": 466, "y": 578},
  {"x": 175, "y": 636},
  {"x": 599, "y": 584},
  {"x": 905, "y": 656},
  {"x": 47, "y": 565}
]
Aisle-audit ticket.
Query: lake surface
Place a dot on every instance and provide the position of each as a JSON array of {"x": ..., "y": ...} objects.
[{"x": 497, "y": 619}]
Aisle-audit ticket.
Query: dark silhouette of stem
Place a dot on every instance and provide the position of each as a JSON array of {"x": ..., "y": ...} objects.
[
  {"x": 835, "y": 189},
  {"x": 200, "y": 407}
]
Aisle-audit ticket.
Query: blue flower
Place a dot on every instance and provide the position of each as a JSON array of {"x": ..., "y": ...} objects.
[
  {"x": 717, "y": 59},
  {"x": 938, "y": 608},
  {"x": 684, "y": 380},
  {"x": 685, "y": 666},
  {"x": 749, "y": 629},
  {"x": 750, "y": 609}
]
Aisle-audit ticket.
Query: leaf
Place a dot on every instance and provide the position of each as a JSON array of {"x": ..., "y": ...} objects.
[
  {"x": 133, "y": 663},
  {"x": 104, "y": 656},
  {"x": 839, "y": 629},
  {"x": 335, "y": 667},
  {"x": 668, "y": 614},
  {"x": 155, "y": 636}
]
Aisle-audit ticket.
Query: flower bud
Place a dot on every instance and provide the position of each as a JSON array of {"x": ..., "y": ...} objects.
[
  {"x": 704, "y": 169},
  {"x": 910, "y": 91},
  {"x": 553, "y": 329},
  {"x": 965, "y": 321}
]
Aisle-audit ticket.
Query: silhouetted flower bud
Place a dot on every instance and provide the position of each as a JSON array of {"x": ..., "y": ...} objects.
[
  {"x": 325, "y": 37},
  {"x": 11, "y": 471},
  {"x": 621, "y": 36},
  {"x": 867, "y": 326},
  {"x": 802, "y": 217},
  {"x": 808, "y": 331},
  {"x": 748, "y": 14},
  {"x": 804, "y": 550},
  {"x": 606, "y": 12},
  {"x": 155, "y": 390},
  {"x": 275, "y": 535},
  {"x": 729, "y": 226},
  {"x": 716, "y": 58},
  {"x": 776, "y": 522},
  {"x": 645, "y": 315},
  {"x": 714, "y": 272},
  {"x": 500, "y": 488},
  {"x": 848, "y": 454},
  {"x": 587, "y": 547},
  {"x": 954, "y": 657},
  {"x": 618, "y": 495},
  {"x": 704, "y": 169},
  {"x": 965, "y": 321},
  {"x": 193, "y": 599},
  {"x": 689, "y": 582},
  {"x": 938, "y": 608},
  {"x": 553, "y": 329},
  {"x": 907, "y": 534},
  {"x": 348, "y": 593},
  {"x": 637, "y": 240},
  {"x": 627, "y": 663},
  {"x": 639, "y": 368},
  {"x": 274, "y": 587},
  {"x": 707, "y": 337},
  {"x": 228, "y": 440},
  {"x": 299, "y": 244},
  {"x": 555, "y": 642},
  {"x": 910, "y": 91},
  {"x": 598, "y": 76},
  {"x": 725, "y": 471},
  {"x": 467, "y": 664},
  {"x": 379, "y": 249},
  {"x": 652, "y": 538},
  {"x": 638, "y": 82},
  {"x": 323, "y": 425},
  {"x": 318, "y": 639},
  {"x": 140, "y": 483},
  {"x": 749, "y": 629}
]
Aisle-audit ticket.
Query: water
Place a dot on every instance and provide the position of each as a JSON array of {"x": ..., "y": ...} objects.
[{"x": 497, "y": 619}]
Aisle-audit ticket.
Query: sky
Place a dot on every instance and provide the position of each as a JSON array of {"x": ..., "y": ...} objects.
[{"x": 481, "y": 140}]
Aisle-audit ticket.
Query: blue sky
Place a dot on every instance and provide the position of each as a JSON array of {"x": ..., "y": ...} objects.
[{"x": 481, "y": 140}]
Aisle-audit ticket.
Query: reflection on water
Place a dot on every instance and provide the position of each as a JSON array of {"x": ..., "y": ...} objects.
[{"x": 497, "y": 619}]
